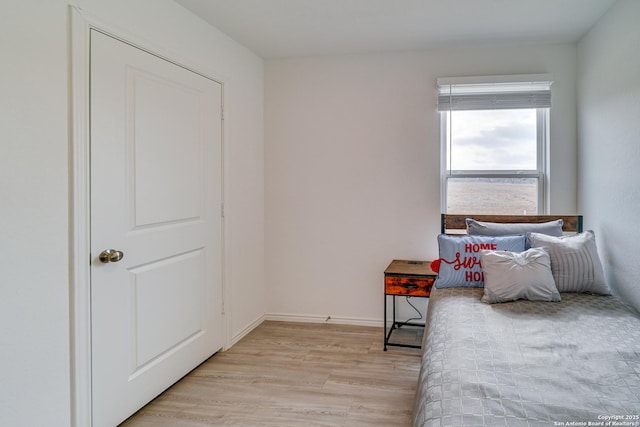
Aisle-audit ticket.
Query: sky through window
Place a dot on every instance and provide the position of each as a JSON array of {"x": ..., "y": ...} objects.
[{"x": 493, "y": 140}]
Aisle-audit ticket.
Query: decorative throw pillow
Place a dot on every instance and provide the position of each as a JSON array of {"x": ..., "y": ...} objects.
[
  {"x": 459, "y": 264},
  {"x": 551, "y": 228},
  {"x": 510, "y": 276},
  {"x": 575, "y": 263}
]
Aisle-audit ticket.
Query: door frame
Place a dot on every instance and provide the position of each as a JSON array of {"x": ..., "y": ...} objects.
[{"x": 81, "y": 25}]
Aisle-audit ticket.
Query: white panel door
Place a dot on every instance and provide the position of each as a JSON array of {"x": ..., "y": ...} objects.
[{"x": 156, "y": 194}]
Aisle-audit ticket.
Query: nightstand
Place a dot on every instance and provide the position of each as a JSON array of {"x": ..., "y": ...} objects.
[{"x": 405, "y": 278}]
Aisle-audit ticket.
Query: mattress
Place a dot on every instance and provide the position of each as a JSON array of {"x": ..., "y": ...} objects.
[{"x": 524, "y": 363}]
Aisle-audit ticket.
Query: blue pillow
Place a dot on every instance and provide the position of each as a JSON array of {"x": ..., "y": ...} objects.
[
  {"x": 460, "y": 258},
  {"x": 550, "y": 228}
]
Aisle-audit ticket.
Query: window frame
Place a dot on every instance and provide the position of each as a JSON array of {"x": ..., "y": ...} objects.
[{"x": 542, "y": 142}]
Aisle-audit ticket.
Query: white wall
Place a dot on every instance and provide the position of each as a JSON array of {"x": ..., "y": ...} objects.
[
  {"x": 352, "y": 168},
  {"x": 34, "y": 180},
  {"x": 609, "y": 142},
  {"x": 34, "y": 314}
]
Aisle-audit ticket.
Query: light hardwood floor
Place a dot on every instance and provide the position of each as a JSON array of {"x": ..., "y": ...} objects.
[{"x": 295, "y": 374}]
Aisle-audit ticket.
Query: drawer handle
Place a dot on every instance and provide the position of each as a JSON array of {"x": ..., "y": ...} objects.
[{"x": 410, "y": 286}]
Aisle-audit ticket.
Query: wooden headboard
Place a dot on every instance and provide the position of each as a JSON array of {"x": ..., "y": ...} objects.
[{"x": 457, "y": 222}]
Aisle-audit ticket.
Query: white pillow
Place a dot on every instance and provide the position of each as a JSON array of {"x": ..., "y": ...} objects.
[
  {"x": 509, "y": 276},
  {"x": 575, "y": 263}
]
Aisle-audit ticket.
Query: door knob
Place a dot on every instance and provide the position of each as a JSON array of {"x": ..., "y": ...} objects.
[{"x": 110, "y": 255}]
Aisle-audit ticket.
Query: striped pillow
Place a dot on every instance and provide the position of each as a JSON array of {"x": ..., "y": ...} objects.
[{"x": 575, "y": 263}]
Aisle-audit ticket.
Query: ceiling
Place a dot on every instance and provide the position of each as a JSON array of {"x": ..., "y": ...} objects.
[{"x": 291, "y": 28}]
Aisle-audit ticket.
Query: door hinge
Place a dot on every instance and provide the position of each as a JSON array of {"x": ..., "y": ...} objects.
[
  {"x": 222, "y": 113},
  {"x": 222, "y": 210}
]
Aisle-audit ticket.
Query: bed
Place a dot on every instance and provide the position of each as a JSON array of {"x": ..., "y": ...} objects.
[{"x": 525, "y": 362}]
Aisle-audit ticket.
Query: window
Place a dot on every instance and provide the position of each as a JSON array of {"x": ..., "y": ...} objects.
[{"x": 494, "y": 138}]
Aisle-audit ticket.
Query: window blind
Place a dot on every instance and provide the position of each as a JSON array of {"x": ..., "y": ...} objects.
[{"x": 474, "y": 94}]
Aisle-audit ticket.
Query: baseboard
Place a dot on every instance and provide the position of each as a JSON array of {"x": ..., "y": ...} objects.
[
  {"x": 311, "y": 318},
  {"x": 237, "y": 337},
  {"x": 305, "y": 318}
]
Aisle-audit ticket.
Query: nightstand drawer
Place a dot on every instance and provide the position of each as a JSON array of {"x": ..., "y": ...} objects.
[{"x": 407, "y": 285}]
